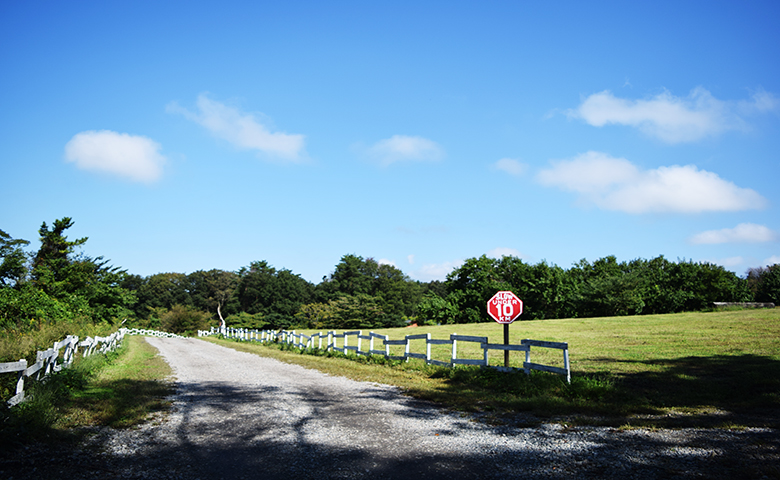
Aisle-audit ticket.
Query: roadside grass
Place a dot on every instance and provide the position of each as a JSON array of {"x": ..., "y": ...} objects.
[
  {"x": 118, "y": 389},
  {"x": 691, "y": 369},
  {"x": 124, "y": 392}
]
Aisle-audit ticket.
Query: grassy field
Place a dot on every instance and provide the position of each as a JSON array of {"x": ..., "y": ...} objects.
[
  {"x": 692, "y": 369},
  {"x": 718, "y": 369}
]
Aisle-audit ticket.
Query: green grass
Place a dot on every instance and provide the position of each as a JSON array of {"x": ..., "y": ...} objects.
[
  {"x": 123, "y": 393},
  {"x": 119, "y": 389},
  {"x": 692, "y": 369}
]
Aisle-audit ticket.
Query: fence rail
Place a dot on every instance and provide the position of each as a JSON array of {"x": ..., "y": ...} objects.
[
  {"x": 50, "y": 361},
  {"x": 332, "y": 338},
  {"x": 151, "y": 333}
]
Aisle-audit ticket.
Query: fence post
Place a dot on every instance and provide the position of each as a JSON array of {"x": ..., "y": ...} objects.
[
  {"x": 428, "y": 349},
  {"x": 454, "y": 349},
  {"x": 527, "y": 361},
  {"x": 20, "y": 382}
]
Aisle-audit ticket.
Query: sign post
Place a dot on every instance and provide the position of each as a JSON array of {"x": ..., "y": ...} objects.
[{"x": 504, "y": 307}]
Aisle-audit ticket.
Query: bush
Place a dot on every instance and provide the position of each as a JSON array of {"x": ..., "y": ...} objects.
[{"x": 186, "y": 320}]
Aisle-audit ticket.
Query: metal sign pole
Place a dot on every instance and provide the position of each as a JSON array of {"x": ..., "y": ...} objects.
[{"x": 506, "y": 342}]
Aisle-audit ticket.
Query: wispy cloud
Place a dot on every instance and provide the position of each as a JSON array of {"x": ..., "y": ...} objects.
[
  {"x": 403, "y": 148},
  {"x": 243, "y": 130},
  {"x": 772, "y": 260},
  {"x": 730, "y": 263},
  {"x": 674, "y": 119},
  {"x": 499, "y": 252},
  {"x": 617, "y": 184},
  {"x": 133, "y": 157},
  {"x": 511, "y": 166},
  {"x": 742, "y": 233},
  {"x": 435, "y": 271}
]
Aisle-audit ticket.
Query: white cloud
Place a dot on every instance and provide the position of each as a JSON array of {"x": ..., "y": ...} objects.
[
  {"x": 590, "y": 173},
  {"x": 410, "y": 258},
  {"x": 499, "y": 252},
  {"x": 243, "y": 130},
  {"x": 435, "y": 271},
  {"x": 763, "y": 101},
  {"x": 131, "y": 156},
  {"x": 772, "y": 260},
  {"x": 742, "y": 233},
  {"x": 616, "y": 184},
  {"x": 511, "y": 166},
  {"x": 402, "y": 148},
  {"x": 730, "y": 263},
  {"x": 674, "y": 119},
  {"x": 384, "y": 261}
]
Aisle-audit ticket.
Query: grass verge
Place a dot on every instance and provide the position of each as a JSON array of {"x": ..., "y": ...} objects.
[
  {"x": 715, "y": 369},
  {"x": 119, "y": 389}
]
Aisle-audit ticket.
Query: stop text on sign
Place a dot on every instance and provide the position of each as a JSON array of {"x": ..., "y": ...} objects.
[{"x": 504, "y": 307}]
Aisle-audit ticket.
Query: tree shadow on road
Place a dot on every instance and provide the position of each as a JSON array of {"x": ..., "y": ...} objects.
[{"x": 228, "y": 441}]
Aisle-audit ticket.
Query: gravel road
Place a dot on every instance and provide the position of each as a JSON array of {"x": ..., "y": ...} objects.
[{"x": 238, "y": 415}]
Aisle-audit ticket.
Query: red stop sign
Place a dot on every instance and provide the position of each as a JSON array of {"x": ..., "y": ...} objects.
[{"x": 504, "y": 307}]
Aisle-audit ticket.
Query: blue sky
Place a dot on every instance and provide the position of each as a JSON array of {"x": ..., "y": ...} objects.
[{"x": 183, "y": 136}]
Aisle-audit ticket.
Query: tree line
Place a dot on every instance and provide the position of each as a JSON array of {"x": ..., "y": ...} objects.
[{"x": 59, "y": 284}]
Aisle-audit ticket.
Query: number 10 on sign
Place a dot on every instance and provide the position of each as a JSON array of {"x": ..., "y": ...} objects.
[{"x": 504, "y": 307}]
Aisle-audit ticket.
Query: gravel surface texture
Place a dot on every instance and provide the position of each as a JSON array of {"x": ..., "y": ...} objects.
[{"x": 241, "y": 416}]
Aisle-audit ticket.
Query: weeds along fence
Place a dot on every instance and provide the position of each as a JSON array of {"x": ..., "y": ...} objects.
[
  {"x": 55, "y": 359},
  {"x": 381, "y": 345}
]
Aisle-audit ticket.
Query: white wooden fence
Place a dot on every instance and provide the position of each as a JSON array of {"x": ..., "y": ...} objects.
[
  {"x": 332, "y": 338},
  {"x": 151, "y": 333},
  {"x": 50, "y": 361}
]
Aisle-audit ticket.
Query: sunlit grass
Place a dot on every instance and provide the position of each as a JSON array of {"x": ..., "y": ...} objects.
[
  {"x": 122, "y": 393},
  {"x": 715, "y": 368},
  {"x": 119, "y": 389}
]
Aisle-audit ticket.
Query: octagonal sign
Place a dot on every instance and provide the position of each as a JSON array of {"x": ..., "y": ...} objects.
[{"x": 504, "y": 307}]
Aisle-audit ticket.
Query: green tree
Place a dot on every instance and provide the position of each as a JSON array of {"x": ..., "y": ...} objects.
[
  {"x": 316, "y": 315},
  {"x": 766, "y": 283},
  {"x": 356, "y": 311},
  {"x": 61, "y": 273},
  {"x": 161, "y": 290},
  {"x": 434, "y": 310},
  {"x": 49, "y": 268},
  {"x": 263, "y": 289},
  {"x": 12, "y": 268},
  {"x": 247, "y": 320},
  {"x": 212, "y": 291},
  {"x": 471, "y": 285},
  {"x": 184, "y": 319}
]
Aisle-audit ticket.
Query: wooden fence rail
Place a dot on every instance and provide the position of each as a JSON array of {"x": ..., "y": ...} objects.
[
  {"x": 332, "y": 338},
  {"x": 51, "y": 360}
]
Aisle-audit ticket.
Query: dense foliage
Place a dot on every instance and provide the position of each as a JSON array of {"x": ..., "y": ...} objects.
[{"x": 58, "y": 284}]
